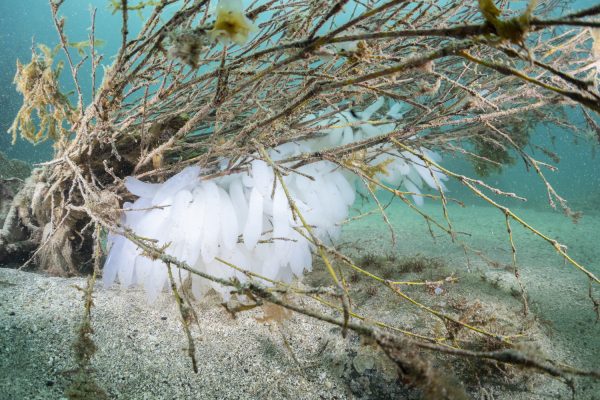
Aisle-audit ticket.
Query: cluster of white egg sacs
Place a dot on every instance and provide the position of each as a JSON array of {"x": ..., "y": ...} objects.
[
  {"x": 246, "y": 219},
  {"x": 404, "y": 169}
]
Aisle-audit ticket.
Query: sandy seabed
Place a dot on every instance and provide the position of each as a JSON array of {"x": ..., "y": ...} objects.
[{"x": 142, "y": 351}]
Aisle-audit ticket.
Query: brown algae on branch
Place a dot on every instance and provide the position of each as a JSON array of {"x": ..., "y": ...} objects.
[
  {"x": 118, "y": 5},
  {"x": 513, "y": 29},
  {"x": 42, "y": 99}
]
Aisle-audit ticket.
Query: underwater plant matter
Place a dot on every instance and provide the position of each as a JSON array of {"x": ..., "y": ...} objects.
[
  {"x": 38, "y": 83},
  {"x": 320, "y": 93}
]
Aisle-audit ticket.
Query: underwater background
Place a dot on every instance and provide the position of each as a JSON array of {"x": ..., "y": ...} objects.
[{"x": 577, "y": 180}]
